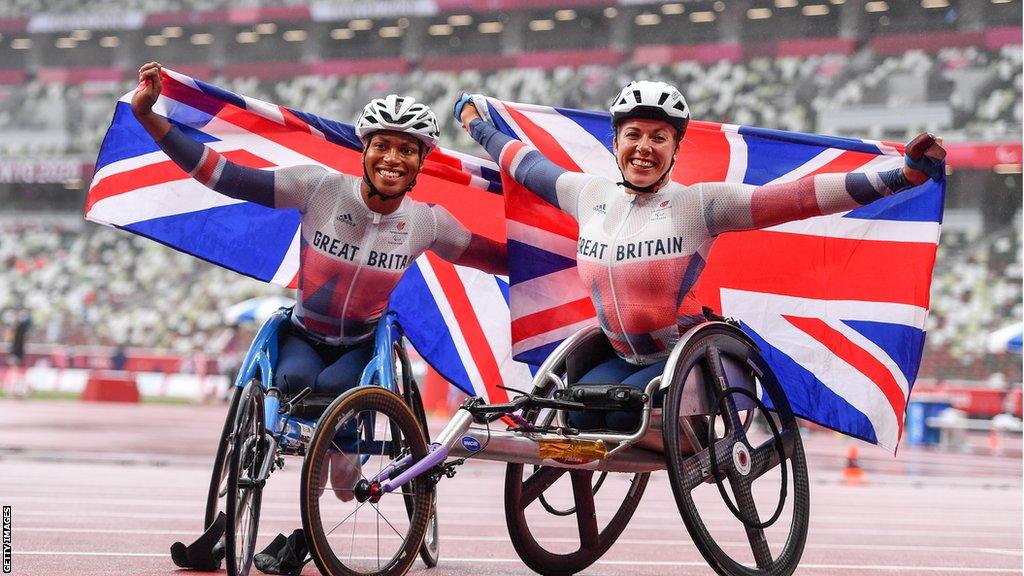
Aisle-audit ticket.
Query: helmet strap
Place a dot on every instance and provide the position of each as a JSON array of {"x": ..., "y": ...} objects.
[
  {"x": 388, "y": 197},
  {"x": 651, "y": 188}
]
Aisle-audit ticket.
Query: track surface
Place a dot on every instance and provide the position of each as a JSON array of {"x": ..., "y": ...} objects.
[{"x": 106, "y": 488}]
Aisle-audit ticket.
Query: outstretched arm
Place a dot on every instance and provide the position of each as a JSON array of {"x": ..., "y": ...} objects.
[
  {"x": 744, "y": 207},
  {"x": 524, "y": 163},
  {"x": 209, "y": 167},
  {"x": 456, "y": 244}
]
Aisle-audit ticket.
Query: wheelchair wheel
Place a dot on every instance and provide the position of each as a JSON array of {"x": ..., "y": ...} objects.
[
  {"x": 217, "y": 495},
  {"x": 560, "y": 502},
  {"x": 351, "y": 526},
  {"x": 249, "y": 451},
  {"x": 430, "y": 551},
  {"x": 725, "y": 449}
]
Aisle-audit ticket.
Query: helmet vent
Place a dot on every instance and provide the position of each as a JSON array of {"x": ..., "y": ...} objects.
[
  {"x": 664, "y": 96},
  {"x": 636, "y": 95}
]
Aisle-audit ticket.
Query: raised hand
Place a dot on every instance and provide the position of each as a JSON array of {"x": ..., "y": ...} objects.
[
  {"x": 149, "y": 89},
  {"x": 925, "y": 158}
]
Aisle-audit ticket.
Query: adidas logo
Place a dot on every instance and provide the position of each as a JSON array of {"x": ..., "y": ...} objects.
[
  {"x": 601, "y": 208},
  {"x": 347, "y": 219}
]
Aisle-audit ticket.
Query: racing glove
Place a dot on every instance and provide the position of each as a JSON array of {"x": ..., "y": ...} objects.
[{"x": 926, "y": 155}]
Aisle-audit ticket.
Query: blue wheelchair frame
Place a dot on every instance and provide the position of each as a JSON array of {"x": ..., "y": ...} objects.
[{"x": 260, "y": 361}]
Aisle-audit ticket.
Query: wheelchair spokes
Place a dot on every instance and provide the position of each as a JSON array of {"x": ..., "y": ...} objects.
[{"x": 353, "y": 525}]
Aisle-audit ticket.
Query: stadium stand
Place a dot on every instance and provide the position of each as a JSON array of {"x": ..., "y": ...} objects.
[{"x": 848, "y": 71}]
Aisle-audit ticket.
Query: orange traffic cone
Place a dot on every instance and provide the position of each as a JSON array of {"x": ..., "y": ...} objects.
[
  {"x": 993, "y": 440},
  {"x": 853, "y": 474}
]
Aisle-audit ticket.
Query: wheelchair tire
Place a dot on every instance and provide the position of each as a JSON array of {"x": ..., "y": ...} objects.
[
  {"x": 430, "y": 551},
  {"x": 541, "y": 487},
  {"x": 385, "y": 426},
  {"x": 739, "y": 460},
  {"x": 217, "y": 493},
  {"x": 249, "y": 451}
]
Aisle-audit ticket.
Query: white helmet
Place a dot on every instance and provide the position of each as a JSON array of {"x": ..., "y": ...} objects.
[
  {"x": 653, "y": 100},
  {"x": 401, "y": 114}
]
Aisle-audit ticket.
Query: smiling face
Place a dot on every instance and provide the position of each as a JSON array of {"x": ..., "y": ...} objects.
[
  {"x": 392, "y": 161},
  {"x": 644, "y": 149}
]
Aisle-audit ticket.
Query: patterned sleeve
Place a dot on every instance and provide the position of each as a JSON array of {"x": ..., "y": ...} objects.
[
  {"x": 730, "y": 206},
  {"x": 451, "y": 238},
  {"x": 284, "y": 188},
  {"x": 295, "y": 185},
  {"x": 526, "y": 165}
]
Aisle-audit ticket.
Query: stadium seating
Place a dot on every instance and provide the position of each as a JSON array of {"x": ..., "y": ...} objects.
[{"x": 980, "y": 87}]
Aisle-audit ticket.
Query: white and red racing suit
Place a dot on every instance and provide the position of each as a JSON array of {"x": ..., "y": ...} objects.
[{"x": 350, "y": 257}]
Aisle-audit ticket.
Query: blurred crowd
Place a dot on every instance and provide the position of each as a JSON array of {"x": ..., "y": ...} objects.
[
  {"x": 976, "y": 290},
  {"x": 980, "y": 87},
  {"x": 93, "y": 285}
]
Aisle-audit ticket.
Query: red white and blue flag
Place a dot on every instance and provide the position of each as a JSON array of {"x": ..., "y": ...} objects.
[
  {"x": 456, "y": 317},
  {"x": 837, "y": 303}
]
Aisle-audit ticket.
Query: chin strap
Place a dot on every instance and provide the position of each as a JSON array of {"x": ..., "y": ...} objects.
[
  {"x": 387, "y": 197},
  {"x": 651, "y": 188}
]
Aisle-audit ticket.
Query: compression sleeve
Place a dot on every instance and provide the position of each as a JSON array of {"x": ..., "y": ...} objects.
[
  {"x": 285, "y": 188},
  {"x": 214, "y": 171},
  {"x": 729, "y": 206},
  {"x": 450, "y": 237},
  {"x": 524, "y": 163}
]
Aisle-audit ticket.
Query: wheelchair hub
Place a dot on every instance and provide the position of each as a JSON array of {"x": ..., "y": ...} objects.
[
  {"x": 741, "y": 458},
  {"x": 365, "y": 490}
]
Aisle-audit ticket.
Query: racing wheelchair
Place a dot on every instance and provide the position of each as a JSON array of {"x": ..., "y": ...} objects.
[
  {"x": 262, "y": 427},
  {"x": 716, "y": 416}
]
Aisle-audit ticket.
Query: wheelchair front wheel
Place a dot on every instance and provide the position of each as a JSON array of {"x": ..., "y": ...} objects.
[
  {"x": 353, "y": 528},
  {"x": 723, "y": 449},
  {"x": 249, "y": 451}
]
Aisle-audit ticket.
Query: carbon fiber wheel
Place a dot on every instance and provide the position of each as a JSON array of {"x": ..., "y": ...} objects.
[
  {"x": 753, "y": 457},
  {"x": 576, "y": 515},
  {"x": 352, "y": 526}
]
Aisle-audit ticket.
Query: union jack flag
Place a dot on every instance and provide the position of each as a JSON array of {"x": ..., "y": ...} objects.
[
  {"x": 456, "y": 317},
  {"x": 837, "y": 303}
]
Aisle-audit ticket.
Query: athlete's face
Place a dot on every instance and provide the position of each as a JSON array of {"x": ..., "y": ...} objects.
[
  {"x": 644, "y": 149},
  {"x": 392, "y": 160}
]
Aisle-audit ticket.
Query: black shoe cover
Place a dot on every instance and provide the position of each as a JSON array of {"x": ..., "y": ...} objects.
[
  {"x": 284, "y": 556},
  {"x": 206, "y": 553}
]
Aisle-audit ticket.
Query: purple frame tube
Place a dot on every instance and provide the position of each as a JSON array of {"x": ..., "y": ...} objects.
[{"x": 437, "y": 454}]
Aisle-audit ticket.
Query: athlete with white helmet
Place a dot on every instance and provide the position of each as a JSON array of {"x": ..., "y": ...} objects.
[
  {"x": 643, "y": 241},
  {"x": 358, "y": 236}
]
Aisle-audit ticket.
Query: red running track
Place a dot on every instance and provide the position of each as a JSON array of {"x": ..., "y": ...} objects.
[{"x": 105, "y": 489}]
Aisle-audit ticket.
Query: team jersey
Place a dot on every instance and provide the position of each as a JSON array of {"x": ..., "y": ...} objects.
[
  {"x": 350, "y": 257},
  {"x": 640, "y": 255}
]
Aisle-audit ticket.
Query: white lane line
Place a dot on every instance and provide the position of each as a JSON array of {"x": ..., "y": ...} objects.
[
  {"x": 820, "y": 522},
  {"x": 491, "y": 560},
  {"x": 622, "y": 541},
  {"x": 816, "y": 530}
]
